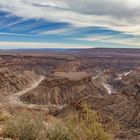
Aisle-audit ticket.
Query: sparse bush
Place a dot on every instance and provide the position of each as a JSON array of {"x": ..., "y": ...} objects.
[
  {"x": 4, "y": 117},
  {"x": 85, "y": 124},
  {"x": 59, "y": 132},
  {"x": 23, "y": 127},
  {"x": 112, "y": 125}
]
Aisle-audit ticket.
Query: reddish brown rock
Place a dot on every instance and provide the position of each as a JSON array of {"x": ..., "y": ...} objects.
[{"x": 63, "y": 88}]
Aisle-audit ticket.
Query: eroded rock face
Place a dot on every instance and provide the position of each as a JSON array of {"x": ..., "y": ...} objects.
[
  {"x": 131, "y": 83},
  {"x": 63, "y": 88},
  {"x": 12, "y": 82},
  {"x": 124, "y": 106},
  {"x": 72, "y": 86},
  {"x": 107, "y": 76}
]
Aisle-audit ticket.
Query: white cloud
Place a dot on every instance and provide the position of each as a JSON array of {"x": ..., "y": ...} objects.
[
  {"x": 102, "y": 38},
  {"x": 11, "y": 45},
  {"x": 15, "y": 34},
  {"x": 121, "y": 15},
  {"x": 56, "y": 31}
]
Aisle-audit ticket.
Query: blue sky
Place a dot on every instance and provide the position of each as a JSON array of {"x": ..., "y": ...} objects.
[{"x": 69, "y": 23}]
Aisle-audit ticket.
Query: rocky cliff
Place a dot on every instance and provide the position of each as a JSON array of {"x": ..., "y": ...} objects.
[
  {"x": 12, "y": 82},
  {"x": 63, "y": 88},
  {"x": 124, "y": 106}
]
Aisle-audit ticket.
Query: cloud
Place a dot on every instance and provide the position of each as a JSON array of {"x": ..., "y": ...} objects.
[
  {"x": 15, "y": 34},
  {"x": 116, "y": 8},
  {"x": 55, "y": 32},
  {"x": 14, "y": 45},
  {"x": 72, "y": 21},
  {"x": 114, "y": 39},
  {"x": 120, "y": 15}
]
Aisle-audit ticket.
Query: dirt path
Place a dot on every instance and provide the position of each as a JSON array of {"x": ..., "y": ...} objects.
[{"x": 14, "y": 98}]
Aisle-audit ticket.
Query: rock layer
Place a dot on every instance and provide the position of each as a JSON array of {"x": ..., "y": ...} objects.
[
  {"x": 63, "y": 88},
  {"x": 12, "y": 82}
]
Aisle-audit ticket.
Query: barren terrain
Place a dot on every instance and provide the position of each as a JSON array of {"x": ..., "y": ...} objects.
[{"x": 108, "y": 79}]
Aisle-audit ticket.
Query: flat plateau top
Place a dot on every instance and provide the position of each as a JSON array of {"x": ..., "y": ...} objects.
[{"x": 71, "y": 75}]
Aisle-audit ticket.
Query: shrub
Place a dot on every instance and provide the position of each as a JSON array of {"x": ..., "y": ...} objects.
[
  {"x": 59, "y": 132},
  {"x": 4, "y": 117},
  {"x": 23, "y": 127},
  {"x": 84, "y": 124},
  {"x": 87, "y": 125}
]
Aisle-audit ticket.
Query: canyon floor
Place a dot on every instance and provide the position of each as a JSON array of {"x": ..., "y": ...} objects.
[{"x": 50, "y": 82}]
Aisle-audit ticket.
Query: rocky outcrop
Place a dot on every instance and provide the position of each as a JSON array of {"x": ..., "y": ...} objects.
[
  {"x": 63, "y": 88},
  {"x": 12, "y": 82},
  {"x": 125, "y": 109},
  {"x": 124, "y": 106},
  {"x": 131, "y": 83},
  {"x": 107, "y": 76}
]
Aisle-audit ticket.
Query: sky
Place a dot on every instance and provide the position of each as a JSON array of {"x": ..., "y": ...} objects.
[{"x": 69, "y": 24}]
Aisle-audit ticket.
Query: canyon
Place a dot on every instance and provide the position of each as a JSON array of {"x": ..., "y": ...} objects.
[{"x": 108, "y": 79}]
